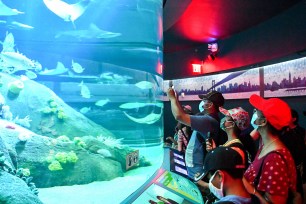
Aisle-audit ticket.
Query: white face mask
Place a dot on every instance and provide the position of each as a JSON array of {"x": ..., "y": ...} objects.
[{"x": 214, "y": 190}]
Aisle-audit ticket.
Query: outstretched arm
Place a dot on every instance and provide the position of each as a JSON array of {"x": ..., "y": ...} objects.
[{"x": 177, "y": 109}]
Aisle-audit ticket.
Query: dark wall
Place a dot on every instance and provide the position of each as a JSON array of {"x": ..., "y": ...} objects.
[
  {"x": 281, "y": 36},
  {"x": 297, "y": 103}
]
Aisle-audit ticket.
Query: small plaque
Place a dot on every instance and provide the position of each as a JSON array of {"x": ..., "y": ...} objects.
[{"x": 132, "y": 159}]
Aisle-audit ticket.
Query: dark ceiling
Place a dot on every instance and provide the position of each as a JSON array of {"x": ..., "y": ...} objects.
[{"x": 189, "y": 23}]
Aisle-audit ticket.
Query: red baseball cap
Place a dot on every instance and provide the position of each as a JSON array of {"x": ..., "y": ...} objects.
[{"x": 276, "y": 111}]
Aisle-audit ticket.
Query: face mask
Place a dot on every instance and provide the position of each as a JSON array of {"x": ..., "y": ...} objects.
[
  {"x": 201, "y": 106},
  {"x": 254, "y": 117},
  {"x": 207, "y": 104},
  {"x": 214, "y": 190},
  {"x": 222, "y": 124}
]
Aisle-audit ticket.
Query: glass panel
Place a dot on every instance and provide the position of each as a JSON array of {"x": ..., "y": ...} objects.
[{"x": 81, "y": 97}]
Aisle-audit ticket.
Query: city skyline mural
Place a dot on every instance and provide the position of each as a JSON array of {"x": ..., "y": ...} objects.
[
  {"x": 279, "y": 80},
  {"x": 285, "y": 79},
  {"x": 233, "y": 85}
]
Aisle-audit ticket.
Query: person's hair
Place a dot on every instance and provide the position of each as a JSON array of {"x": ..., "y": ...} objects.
[
  {"x": 273, "y": 130},
  {"x": 295, "y": 115},
  {"x": 235, "y": 173},
  {"x": 237, "y": 131}
]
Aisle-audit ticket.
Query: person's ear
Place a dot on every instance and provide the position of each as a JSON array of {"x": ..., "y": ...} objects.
[
  {"x": 264, "y": 123},
  {"x": 220, "y": 176}
]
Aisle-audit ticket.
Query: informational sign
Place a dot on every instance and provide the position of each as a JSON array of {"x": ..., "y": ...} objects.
[
  {"x": 180, "y": 185},
  {"x": 132, "y": 159}
]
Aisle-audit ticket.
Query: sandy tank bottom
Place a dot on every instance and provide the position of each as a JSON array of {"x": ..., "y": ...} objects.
[{"x": 112, "y": 192}]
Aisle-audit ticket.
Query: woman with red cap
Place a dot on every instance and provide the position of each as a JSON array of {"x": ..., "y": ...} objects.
[{"x": 271, "y": 176}]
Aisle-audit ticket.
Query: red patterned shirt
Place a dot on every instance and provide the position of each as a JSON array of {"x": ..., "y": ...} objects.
[{"x": 277, "y": 175}]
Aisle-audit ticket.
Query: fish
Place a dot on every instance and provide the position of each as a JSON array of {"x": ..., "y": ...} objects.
[
  {"x": 149, "y": 119},
  {"x": 60, "y": 69},
  {"x": 110, "y": 77},
  {"x": 85, "y": 92},
  {"x": 102, "y": 102},
  {"x": 68, "y": 12},
  {"x": 7, "y": 11},
  {"x": 76, "y": 67},
  {"x": 145, "y": 85},
  {"x": 9, "y": 43},
  {"x": 85, "y": 110},
  {"x": 139, "y": 105},
  {"x": 30, "y": 74},
  {"x": 15, "y": 25},
  {"x": 17, "y": 60},
  {"x": 93, "y": 32}
]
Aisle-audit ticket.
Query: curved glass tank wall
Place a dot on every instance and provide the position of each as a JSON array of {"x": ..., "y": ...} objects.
[{"x": 80, "y": 104}]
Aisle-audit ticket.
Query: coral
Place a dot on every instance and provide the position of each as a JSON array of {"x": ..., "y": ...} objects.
[
  {"x": 22, "y": 173},
  {"x": 61, "y": 115},
  {"x": 23, "y": 136},
  {"x": 52, "y": 104},
  {"x": 63, "y": 138},
  {"x": 6, "y": 113},
  {"x": 79, "y": 142},
  {"x": 54, "y": 108},
  {"x": 104, "y": 152},
  {"x": 26, "y": 171},
  {"x": 72, "y": 157},
  {"x": 55, "y": 166},
  {"x": 111, "y": 142},
  {"x": 61, "y": 157},
  {"x": 15, "y": 87},
  {"x": 46, "y": 110},
  {"x": 47, "y": 126},
  {"x": 24, "y": 122},
  {"x": 50, "y": 158}
]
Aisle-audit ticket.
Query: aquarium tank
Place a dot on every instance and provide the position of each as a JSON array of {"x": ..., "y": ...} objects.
[{"x": 81, "y": 110}]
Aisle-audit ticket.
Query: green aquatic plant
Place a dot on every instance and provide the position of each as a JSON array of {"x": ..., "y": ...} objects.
[
  {"x": 50, "y": 159},
  {"x": 54, "y": 108},
  {"x": 61, "y": 157},
  {"x": 61, "y": 115},
  {"x": 52, "y": 104},
  {"x": 63, "y": 138},
  {"x": 72, "y": 157},
  {"x": 46, "y": 110},
  {"x": 22, "y": 173},
  {"x": 79, "y": 142},
  {"x": 55, "y": 166}
]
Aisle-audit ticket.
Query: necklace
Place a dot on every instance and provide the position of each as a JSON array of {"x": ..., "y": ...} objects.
[
  {"x": 266, "y": 146},
  {"x": 228, "y": 143}
]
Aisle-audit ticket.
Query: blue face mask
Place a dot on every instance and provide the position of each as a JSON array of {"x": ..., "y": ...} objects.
[
  {"x": 254, "y": 117},
  {"x": 201, "y": 106}
]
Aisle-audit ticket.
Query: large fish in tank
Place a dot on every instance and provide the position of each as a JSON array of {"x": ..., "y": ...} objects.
[
  {"x": 93, "y": 32},
  {"x": 68, "y": 12},
  {"x": 7, "y": 11}
]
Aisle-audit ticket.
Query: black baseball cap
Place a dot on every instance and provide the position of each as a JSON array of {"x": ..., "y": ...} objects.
[
  {"x": 214, "y": 96},
  {"x": 224, "y": 158}
]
